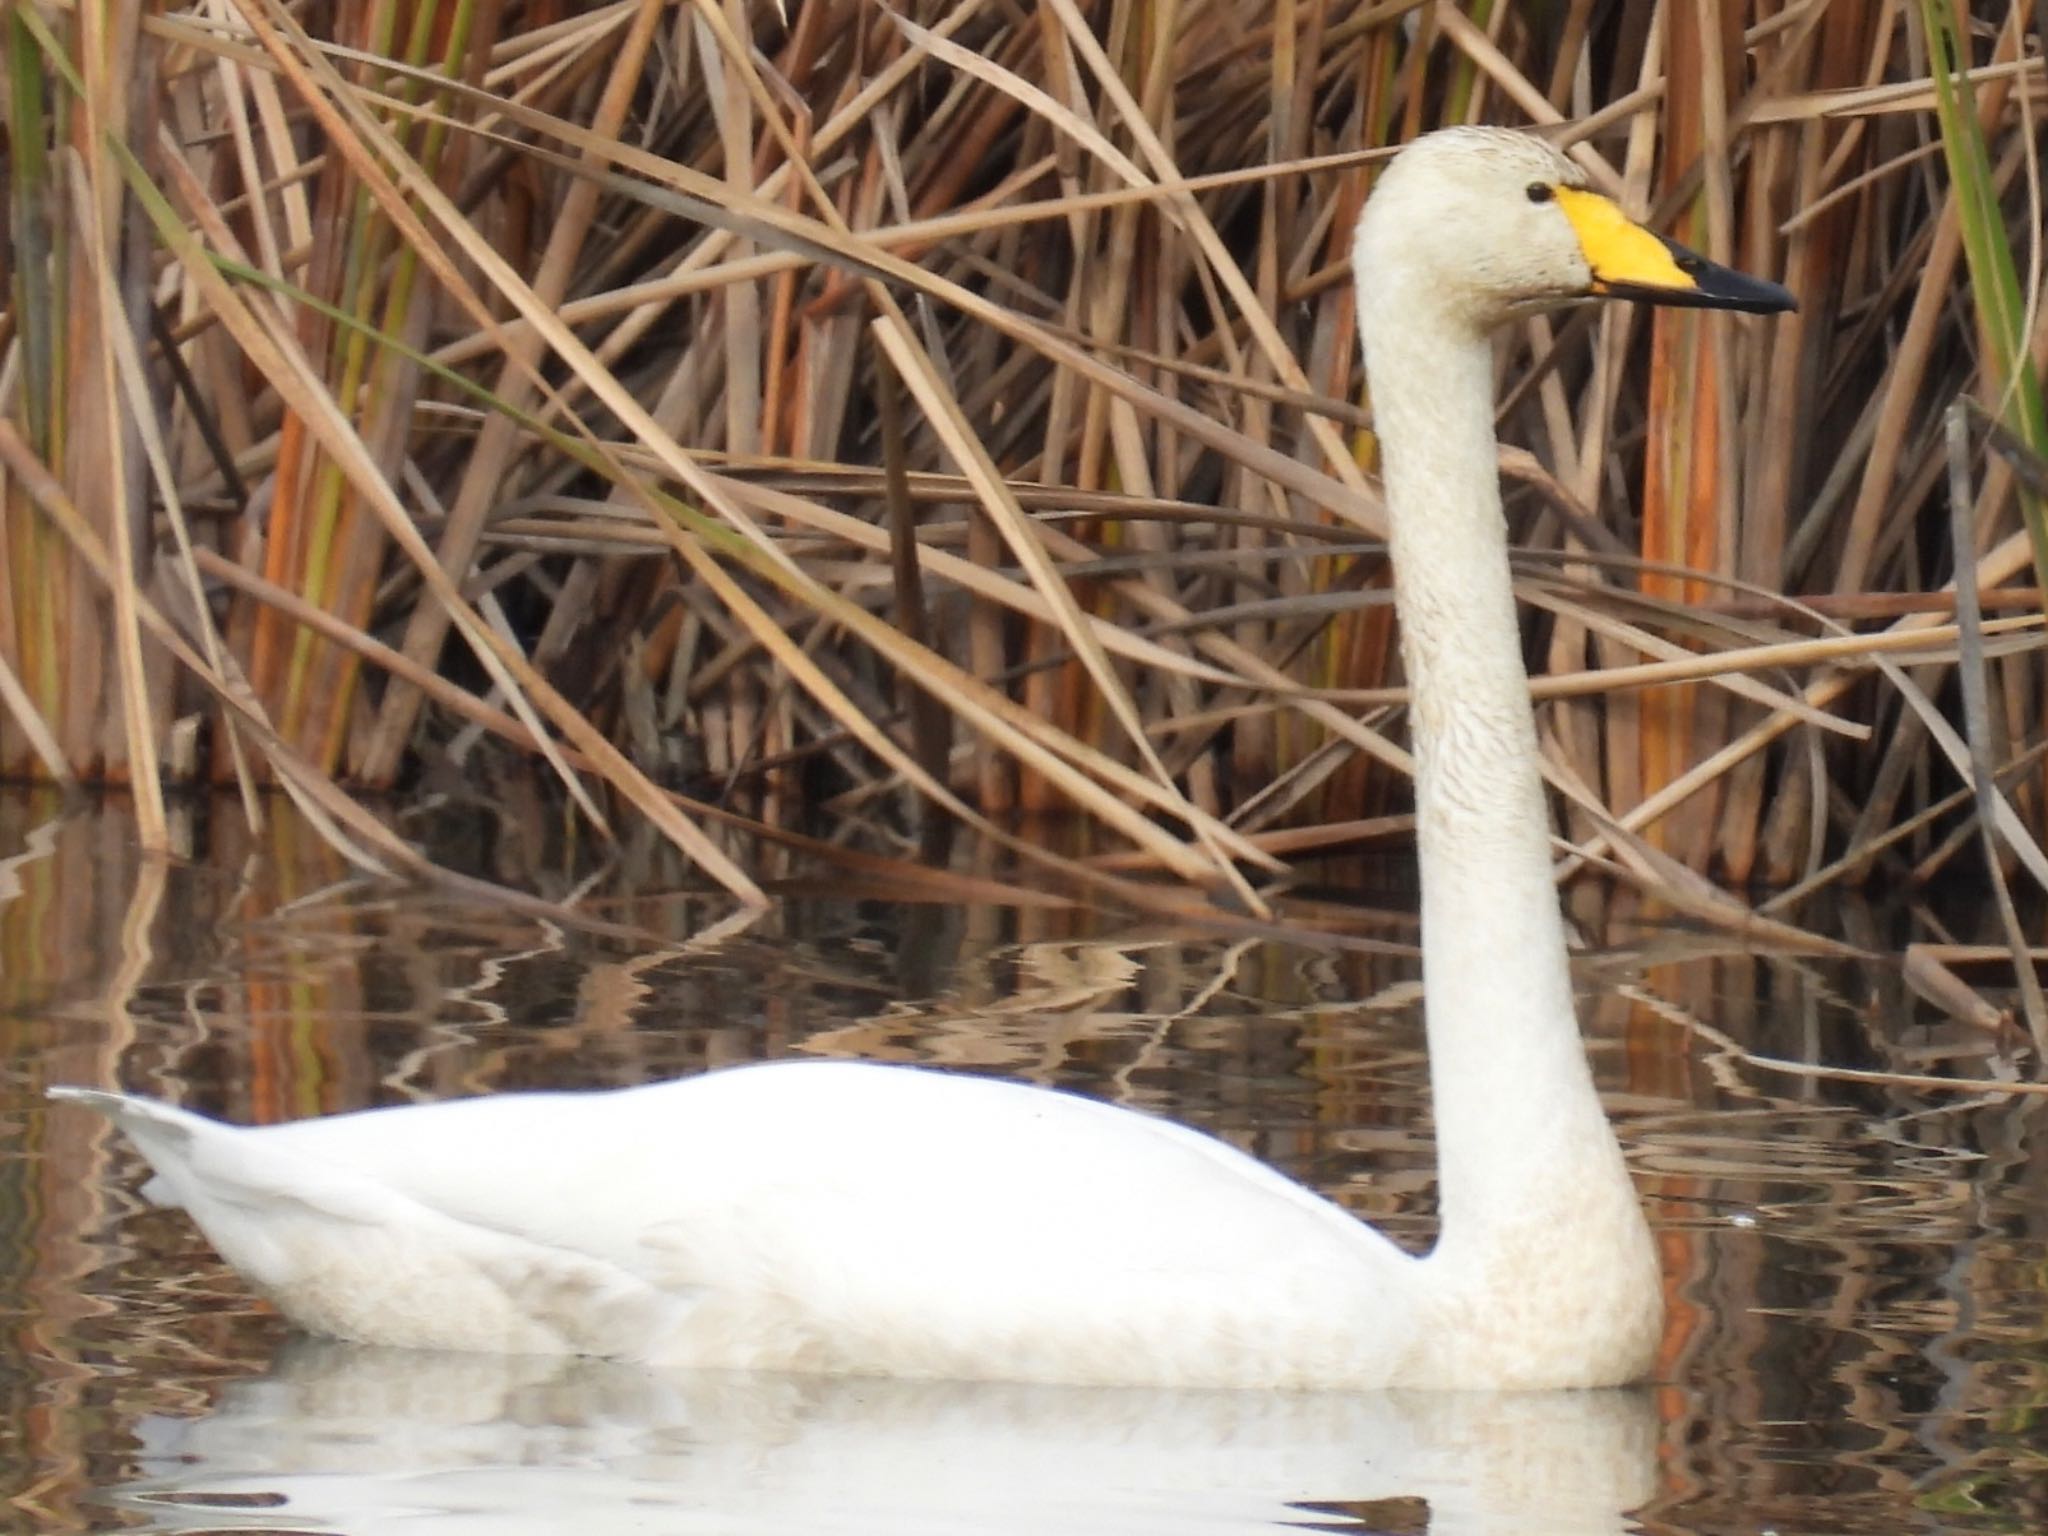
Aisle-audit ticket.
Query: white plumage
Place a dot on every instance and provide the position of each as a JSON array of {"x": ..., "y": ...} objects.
[
  {"x": 865, "y": 1220},
  {"x": 810, "y": 1216}
]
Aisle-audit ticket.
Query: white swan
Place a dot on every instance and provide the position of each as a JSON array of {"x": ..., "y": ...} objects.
[{"x": 857, "y": 1219}]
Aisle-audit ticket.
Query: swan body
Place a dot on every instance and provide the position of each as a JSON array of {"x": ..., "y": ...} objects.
[
  {"x": 855, "y": 1219},
  {"x": 836, "y": 1217}
]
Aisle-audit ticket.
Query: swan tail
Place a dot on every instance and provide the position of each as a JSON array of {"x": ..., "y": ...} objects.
[
  {"x": 201, "y": 1162},
  {"x": 162, "y": 1134},
  {"x": 344, "y": 1254}
]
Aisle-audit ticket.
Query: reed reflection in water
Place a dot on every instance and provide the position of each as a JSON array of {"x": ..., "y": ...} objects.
[{"x": 1855, "y": 1272}]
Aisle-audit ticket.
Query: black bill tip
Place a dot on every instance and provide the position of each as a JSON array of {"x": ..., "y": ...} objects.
[{"x": 1713, "y": 287}]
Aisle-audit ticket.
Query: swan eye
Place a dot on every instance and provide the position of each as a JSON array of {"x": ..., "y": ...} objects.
[{"x": 1541, "y": 192}]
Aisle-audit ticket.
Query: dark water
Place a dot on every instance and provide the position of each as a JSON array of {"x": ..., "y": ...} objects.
[{"x": 1858, "y": 1329}]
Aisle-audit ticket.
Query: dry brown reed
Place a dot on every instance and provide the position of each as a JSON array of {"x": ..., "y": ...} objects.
[{"x": 931, "y": 413}]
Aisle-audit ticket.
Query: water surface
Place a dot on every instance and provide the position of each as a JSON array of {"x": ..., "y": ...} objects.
[{"x": 1855, "y": 1271}]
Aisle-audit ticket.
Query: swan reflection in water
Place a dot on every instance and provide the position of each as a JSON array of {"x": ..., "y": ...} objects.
[{"x": 362, "y": 1441}]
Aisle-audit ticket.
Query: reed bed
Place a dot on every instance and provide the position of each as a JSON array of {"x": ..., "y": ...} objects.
[{"x": 915, "y": 416}]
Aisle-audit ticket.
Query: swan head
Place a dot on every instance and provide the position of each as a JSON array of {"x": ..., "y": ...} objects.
[{"x": 1484, "y": 224}]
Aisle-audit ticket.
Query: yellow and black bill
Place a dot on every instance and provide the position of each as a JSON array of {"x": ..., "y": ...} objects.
[{"x": 1630, "y": 262}]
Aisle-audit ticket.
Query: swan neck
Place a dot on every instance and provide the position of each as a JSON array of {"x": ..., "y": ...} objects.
[{"x": 1515, "y": 1107}]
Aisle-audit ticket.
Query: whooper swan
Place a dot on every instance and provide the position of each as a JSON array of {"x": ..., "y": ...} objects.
[{"x": 862, "y": 1219}]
